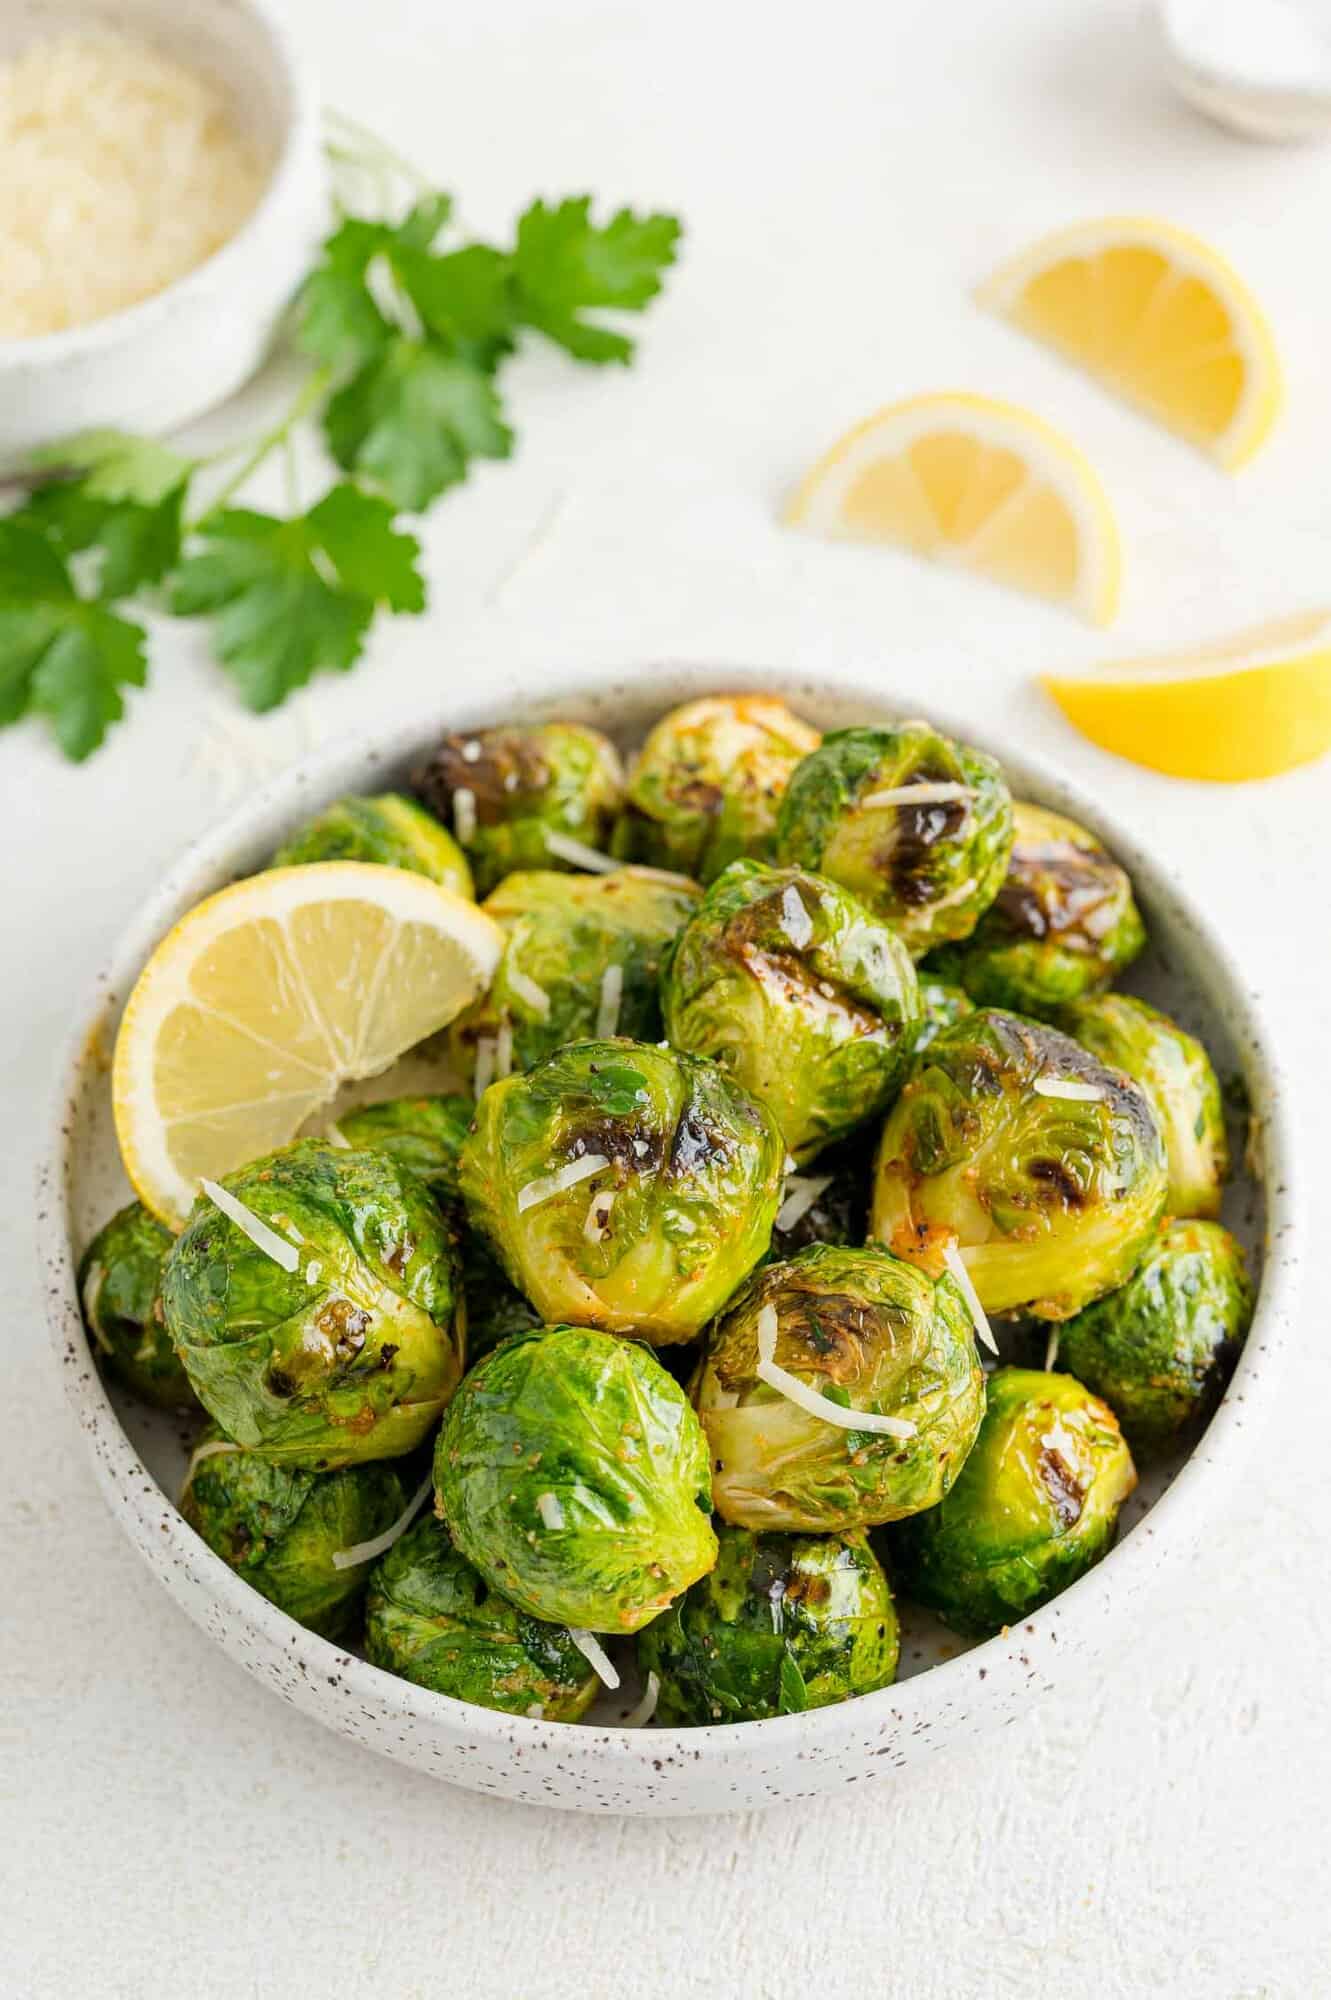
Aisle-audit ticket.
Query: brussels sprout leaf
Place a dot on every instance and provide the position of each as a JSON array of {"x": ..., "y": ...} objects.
[
  {"x": 794, "y": 1693},
  {"x": 61, "y": 655},
  {"x": 295, "y": 596}
]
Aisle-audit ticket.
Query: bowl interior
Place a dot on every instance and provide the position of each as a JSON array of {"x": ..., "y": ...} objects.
[{"x": 1182, "y": 972}]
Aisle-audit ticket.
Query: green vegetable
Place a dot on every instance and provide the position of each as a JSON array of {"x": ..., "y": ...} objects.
[
  {"x": 351, "y": 1355},
  {"x": 706, "y": 784},
  {"x": 1161, "y": 1349},
  {"x": 120, "y": 1278},
  {"x": 62, "y": 655},
  {"x": 573, "y": 1474},
  {"x": 389, "y": 830},
  {"x": 1063, "y": 924},
  {"x": 124, "y": 513},
  {"x": 624, "y": 1186},
  {"x": 1052, "y": 1199},
  {"x": 503, "y": 791},
  {"x": 783, "y": 1623},
  {"x": 1176, "y": 1074},
  {"x": 866, "y": 1332},
  {"x": 582, "y": 949},
  {"x": 932, "y": 869},
  {"x": 1034, "y": 1507},
  {"x": 281, "y": 1528},
  {"x": 432, "y": 1619},
  {"x": 943, "y": 1004},
  {"x": 800, "y": 993}
]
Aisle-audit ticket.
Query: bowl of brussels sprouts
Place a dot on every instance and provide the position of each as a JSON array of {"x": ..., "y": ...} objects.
[{"x": 777, "y": 1328}]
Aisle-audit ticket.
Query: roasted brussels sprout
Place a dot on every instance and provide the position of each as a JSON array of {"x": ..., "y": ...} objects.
[
  {"x": 120, "y": 1278},
  {"x": 283, "y": 1529},
  {"x": 390, "y": 830},
  {"x": 425, "y": 1134},
  {"x": 1161, "y": 1349},
  {"x": 432, "y": 1619},
  {"x": 931, "y": 867},
  {"x": 1064, "y": 922},
  {"x": 583, "y": 957},
  {"x": 624, "y": 1186},
  {"x": 805, "y": 997},
  {"x": 1175, "y": 1071},
  {"x": 862, "y": 1331},
  {"x": 573, "y": 1474},
  {"x": 1044, "y": 1168},
  {"x": 783, "y": 1623},
  {"x": 829, "y": 1206},
  {"x": 512, "y": 796},
  {"x": 337, "y": 1335},
  {"x": 705, "y": 788},
  {"x": 1034, "y": 1506},
  {"x": 943, "y": 1004}
]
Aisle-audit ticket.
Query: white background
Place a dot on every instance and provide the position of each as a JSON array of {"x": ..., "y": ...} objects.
[{"x": 845, "y": 172}]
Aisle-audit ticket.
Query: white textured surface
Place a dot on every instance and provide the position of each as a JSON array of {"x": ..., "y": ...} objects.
[{"x": 170, "y": 1830}]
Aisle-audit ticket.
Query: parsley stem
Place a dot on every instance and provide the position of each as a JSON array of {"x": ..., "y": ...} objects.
[
  {"x": 370, "y": 149},
  {"x": 312, "y": 389}
]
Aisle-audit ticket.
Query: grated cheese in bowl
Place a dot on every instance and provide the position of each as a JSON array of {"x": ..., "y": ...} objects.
[{"x": 122, "y": 171}]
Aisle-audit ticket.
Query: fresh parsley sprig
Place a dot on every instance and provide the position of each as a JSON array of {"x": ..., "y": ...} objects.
[{"x": 407, "y": 326}]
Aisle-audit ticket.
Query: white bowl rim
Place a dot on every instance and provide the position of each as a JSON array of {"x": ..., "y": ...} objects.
[
  {"x": 126, "y": 325},
  {"x": 150, "y": 1518}
]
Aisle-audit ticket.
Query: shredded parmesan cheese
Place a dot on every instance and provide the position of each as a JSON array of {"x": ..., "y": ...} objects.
[
  {"x": 337, "y": 1137},
  {"x": 564, "y": 1177},
  {"x": 612, "y": 994},
  {"x": 526, "y": 989},
  {"x": 795, "y": 919},
  {"x": 766, "y": 1330},
  {"x": 471, "y": 752},
  {"x": 918, "y": 795},
  {"x": 598, "y": 1215},
  {"x": 800, "y": 1195},
  {"x": 812, "y": 1400},
  {"x": 549, "y": 1509},
  {"x": 215, "y": 1448},
  {"x": 251, "y": 1225},
  {"x": 1051, "y": 1350},
  {"x": 592, "y": 1651},
  {"x": 363, "y": 1552},
  {"x": 579, "y": 853},
  {"x": 1076, "y": 1093},
  {"x": 956, "y": 1264},
  {"x": 642, "y": 1711},
  {"x": 124, "y": 170},
  {"x": 464, "y": 814},
  {"x": 504, "y": 1049},
  {"x": 92, "y": 1292},
  {"x": 485, "y": 1065}
]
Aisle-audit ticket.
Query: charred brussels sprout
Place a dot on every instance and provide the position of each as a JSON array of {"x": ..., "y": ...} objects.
[
  {"x": 432, "y": 1619},
  {"x": 425, "y": 1135},
  {"x": 943, "y": 1004},
  {"x": 1161, "y": 1349},
  {"x": 349, "y": 1354},
  {"x": 1034, "y": 1507},
  {"x": 1044, "y": 1168},
  {"x": 1064, "y": 922},
  {"x": 624, "y": 1186},
  {"x": 706, "y": 785},
  {"x": 389, "y": 830},
  {"x": 1175, "y": 1071},
  {"x": 511, "y": 795},
  {"x": 283, "y": 1529},
  {"x": 120, "y": 1287},
  {"x": 865, "y": 1332},
  {"x": 573, "y": 1474},
  {"x": 783, "y": 1623},
  {"x": 800, "y": 993},
  {"x": 583, "y": 957},
  {"x": 931, "y": 867}
]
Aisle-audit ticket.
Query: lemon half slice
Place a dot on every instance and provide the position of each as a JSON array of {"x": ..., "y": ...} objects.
[
  {"x": 1249, "y": 707},
  {"x": 977, "y": 483},
  {"x": 269, "y": 996},
  {"x": 1156, "y": 315}
]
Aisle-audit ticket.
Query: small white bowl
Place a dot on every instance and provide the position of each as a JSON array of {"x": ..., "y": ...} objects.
[
  {"x": 948, "y": 1690},
  {"x": 172, "y": 356}
]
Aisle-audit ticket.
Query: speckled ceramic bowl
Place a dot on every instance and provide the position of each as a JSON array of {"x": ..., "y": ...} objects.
[{"x": 948, "y": 1690}]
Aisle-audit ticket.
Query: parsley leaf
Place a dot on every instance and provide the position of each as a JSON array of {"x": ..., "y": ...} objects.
[
  {"x": 298, "y": 595},
  {"x": 413, "y": 420},
  {"x": 338, "y": 318},
  {"x": 61, "y": 656},
  {"x": 564, "y": 264},
  {"x": 125, "y": 506}
]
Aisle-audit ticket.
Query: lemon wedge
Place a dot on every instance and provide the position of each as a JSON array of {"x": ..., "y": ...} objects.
[
  {"x": 269, "y": 996},
  {"x": 1156, "y": 315},
  {"x": 977, "y": 483},
  {"x": 1250, "y": 707}
]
